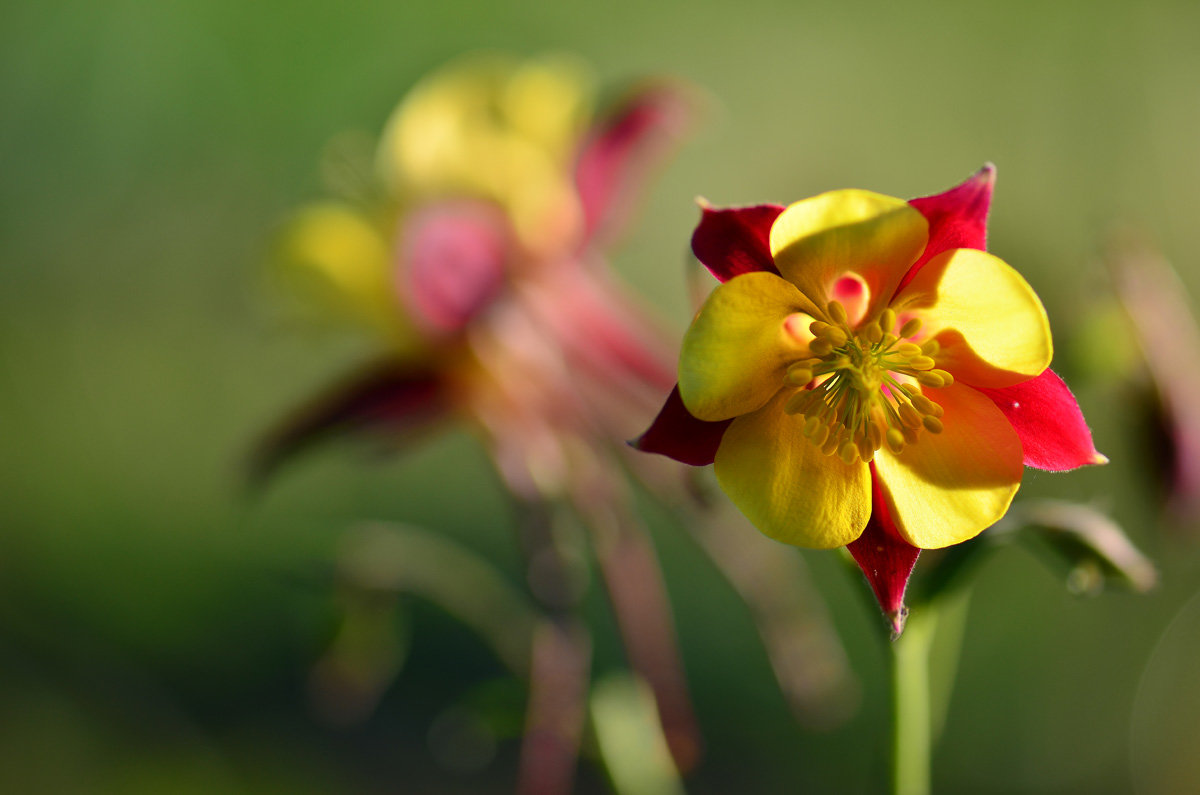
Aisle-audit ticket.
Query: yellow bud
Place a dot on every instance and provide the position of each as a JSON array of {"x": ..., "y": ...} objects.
[
  {"x": 931, "y": 379},
  {"x": 873, "y": 333},
  {"x": 908, "y": 350},
  {"x": 931, "y": 347},
  {"x": 895, "y": 440},
  {"x": 817, "y": 326},
  {"x": 830, "y": 446},
  {"x": 911, "y": 327},
  {"x": 823, "y": 347},
  {"x": 933, "y": 424}
]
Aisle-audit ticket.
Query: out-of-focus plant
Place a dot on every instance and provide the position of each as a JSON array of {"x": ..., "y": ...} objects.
[
  {"x": 1164, "y": 325},
  {"x": 866, "y": 376},
  {"x": 472, "y": 249}
]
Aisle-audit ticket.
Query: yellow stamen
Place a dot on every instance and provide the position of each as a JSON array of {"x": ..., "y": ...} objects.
[
  {"x": 838, "y": 313},
  {"x": 864, "y": 386},
  {"x": 911, "y": 327}
]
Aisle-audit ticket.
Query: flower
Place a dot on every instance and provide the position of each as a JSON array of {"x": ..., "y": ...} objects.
[
  {"x": 867, "y": 375},
  {"x": 475, "y": 259}
]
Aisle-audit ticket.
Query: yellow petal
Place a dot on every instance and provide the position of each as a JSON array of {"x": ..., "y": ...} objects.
[
  {"x": 337, "y": 258},
  {"x": 495, "y": 128},
  {"x": 785, "y": 486},
  {"x": 949, "y": 487},
  {"x": 991, "y": 326},
  {"x": 815, "y": 241},
  {"x": 737, "y": 349}
]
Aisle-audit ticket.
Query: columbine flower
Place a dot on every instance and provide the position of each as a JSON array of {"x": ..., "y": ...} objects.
[
  {"x": 475, "y": 259},
  {"x": 866, "y": 375},
  {"x": 477, "y": 264}
]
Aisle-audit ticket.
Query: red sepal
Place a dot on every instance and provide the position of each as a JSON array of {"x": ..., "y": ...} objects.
[
  {"x": 957, "y": 218},
  {"x": 453, "y": 261},
  {"x": 387, "y": 397},
  {"x": 1045, "y": 415},
  {"x": 885, "y": 558},
  {"x": 676, "y": 434},
  {"x": 622, "y": 149},
  {"x": 735, "y": 240}
]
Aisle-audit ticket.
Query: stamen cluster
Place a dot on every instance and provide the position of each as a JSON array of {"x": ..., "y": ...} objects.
[{"x": 862, "y": 387}]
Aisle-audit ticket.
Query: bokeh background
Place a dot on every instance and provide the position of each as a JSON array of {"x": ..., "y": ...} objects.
[{"x": 158, "y": 627}]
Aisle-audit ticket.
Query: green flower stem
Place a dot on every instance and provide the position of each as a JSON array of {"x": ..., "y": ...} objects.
[{"x": 911, "y": 735}]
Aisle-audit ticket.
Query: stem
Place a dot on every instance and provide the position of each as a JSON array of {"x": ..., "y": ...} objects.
[{"x": 910, "y": 703}]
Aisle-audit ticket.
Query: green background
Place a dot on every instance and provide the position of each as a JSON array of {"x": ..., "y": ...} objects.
[{"x": 157, "y": 627}]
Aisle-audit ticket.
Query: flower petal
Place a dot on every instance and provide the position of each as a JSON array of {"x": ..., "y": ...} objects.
[
  {"x": 991, "y": 325},
  {"x": 737, "y": 349},
  {"x": 1045, "y": 415},
  {"x": 957, "y": 218},
  {"x": 336, "y": 258},
  {"x": 622, "y": 149},
  {"x": 735, "y": 240},
  {"x": 785, "y": 486},
  {"x": 949, "y": 487},
  {"x": 676, "y": 434},
  {"x": 453, "y": 262},
  {"x": 885, "y": 558},
  {"x": 392, "y": 398},
  {"x": 815, "y": 241}
]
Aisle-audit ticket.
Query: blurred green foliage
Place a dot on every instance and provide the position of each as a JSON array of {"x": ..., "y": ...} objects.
[{"x": 157, "y": 626}]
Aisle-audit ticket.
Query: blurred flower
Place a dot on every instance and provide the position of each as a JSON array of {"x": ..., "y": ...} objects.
[
  {"x": 866, "y": 375},
  {"x": 474, "y": 255},
  {"x": 1164, "y": 325},
  {"x": 480, "y": 268}
]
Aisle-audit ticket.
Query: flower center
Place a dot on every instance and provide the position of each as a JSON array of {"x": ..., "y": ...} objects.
[{"x": 864, "y": 386}]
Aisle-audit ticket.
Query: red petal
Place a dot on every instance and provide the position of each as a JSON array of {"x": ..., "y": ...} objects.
[
  {"x": 388, "y": 397},
  {"x": 1046, "y": 417},
  {"x": 676, "y": 434},
  {"x": 453, "y": 260},
  {"x": 735, "y": 240},
  {"x": 621, "y": 150},
  {"x": 885, "y": 558},
  {"x": 957, "y": 218}
]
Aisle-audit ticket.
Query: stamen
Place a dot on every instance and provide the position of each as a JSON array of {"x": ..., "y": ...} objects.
[
  {"x": 864, "y": 386},
  {"x": 838, "y": 313},
  {"x": 887, "y": 320},
  {"x": 911, "y": 327}
]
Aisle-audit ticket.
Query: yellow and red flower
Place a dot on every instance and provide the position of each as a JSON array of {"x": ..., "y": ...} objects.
[
  {"x": 475, "y": 258},
  {"x": 867, "y": 375}
]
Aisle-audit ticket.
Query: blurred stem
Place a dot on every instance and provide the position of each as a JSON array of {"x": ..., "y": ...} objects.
[
  {"x": 558, "y": 684},
  {"x": 560, "y": 661},
  {"x": 634, "y": 583},
  {"x": 911, "y": 737}
]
